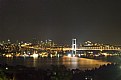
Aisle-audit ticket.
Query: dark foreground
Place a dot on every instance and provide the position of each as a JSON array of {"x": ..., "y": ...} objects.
[{"x": 105, "y": 72}]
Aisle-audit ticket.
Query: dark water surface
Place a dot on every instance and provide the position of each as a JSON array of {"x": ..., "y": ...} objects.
[{"x": 69, "y": 62}]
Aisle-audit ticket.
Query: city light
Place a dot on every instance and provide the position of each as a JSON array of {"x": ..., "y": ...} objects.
[
  {"x": 69, "y": 55},
  {"x": 35, "y": 55}
]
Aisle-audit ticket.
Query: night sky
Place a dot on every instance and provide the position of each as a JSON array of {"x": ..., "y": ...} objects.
[{"x": 61, "y": 20}]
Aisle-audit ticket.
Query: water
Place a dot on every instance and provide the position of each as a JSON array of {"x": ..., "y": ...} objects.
[{"x": 69, "y": 62}]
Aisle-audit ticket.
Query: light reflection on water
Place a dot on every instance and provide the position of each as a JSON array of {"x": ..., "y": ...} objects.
[
  {"x": 69, "y": 62},
  {"x": 82, "y": 63}
]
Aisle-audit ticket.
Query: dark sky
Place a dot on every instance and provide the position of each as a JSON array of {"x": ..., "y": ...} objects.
[{"x": 61, "y": 20}]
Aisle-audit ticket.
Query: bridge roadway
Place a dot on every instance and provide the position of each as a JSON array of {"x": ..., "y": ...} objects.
[{"x": 81, "y": 49}]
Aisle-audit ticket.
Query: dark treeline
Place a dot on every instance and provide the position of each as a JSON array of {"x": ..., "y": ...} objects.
[{"x": 55, "y": 72}]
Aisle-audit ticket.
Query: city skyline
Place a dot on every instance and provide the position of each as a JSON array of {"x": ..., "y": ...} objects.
[{"x": 97, "y": 21}]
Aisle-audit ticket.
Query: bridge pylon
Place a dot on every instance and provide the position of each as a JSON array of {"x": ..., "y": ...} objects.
[{"x": 73, "y": 46}]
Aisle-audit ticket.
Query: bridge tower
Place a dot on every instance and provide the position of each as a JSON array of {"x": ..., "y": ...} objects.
[{"x": 73, "y": 46}]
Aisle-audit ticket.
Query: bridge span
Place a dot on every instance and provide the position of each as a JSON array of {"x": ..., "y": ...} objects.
[
  {"x": 88, "y": 48},
  {"x": 79, "y": 49}
]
